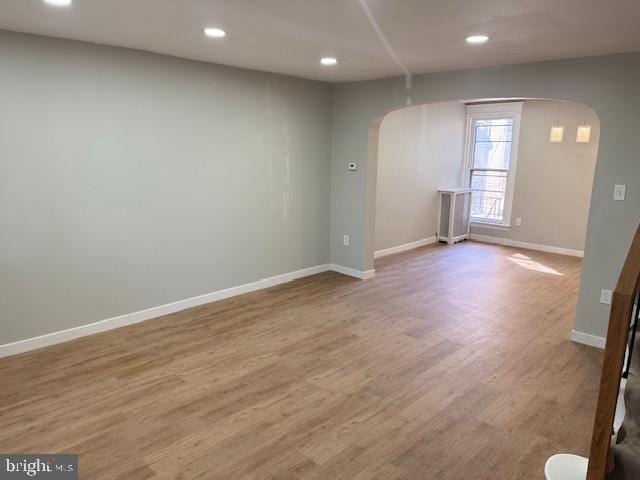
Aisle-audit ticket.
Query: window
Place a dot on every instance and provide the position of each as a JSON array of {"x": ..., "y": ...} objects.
[{"x": 492, "y": 138}]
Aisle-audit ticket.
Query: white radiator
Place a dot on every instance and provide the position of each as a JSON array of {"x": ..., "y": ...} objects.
[{"x": 454, "y": 218}]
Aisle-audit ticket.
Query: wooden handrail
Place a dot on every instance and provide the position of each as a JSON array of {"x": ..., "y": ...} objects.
[{"x": 614, "y": 353}]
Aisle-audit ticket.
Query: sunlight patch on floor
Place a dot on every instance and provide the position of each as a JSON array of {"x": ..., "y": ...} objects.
[{"x": 526, "y": 262}]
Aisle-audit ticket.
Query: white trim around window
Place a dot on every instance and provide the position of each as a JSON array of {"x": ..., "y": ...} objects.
[{"x": 486, "y": 111}]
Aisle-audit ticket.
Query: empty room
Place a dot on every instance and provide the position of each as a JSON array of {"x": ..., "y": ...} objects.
[{"x": 314, "y": 240}]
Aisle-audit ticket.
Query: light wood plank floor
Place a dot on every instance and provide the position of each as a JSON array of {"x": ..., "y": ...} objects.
[{"x": 453, "y": 363}]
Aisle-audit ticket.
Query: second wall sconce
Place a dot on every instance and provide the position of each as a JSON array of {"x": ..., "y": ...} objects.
[{"x": 584, "y": 134}]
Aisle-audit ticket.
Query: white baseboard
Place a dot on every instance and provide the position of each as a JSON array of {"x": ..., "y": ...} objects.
[
  {"x": 362, "y": 275},
  {"x": 403, "y": 248},
  {"x": 49, "y": 339},
  {"x": 529, "y": 246},
  {"x": 588, "y": 339}
]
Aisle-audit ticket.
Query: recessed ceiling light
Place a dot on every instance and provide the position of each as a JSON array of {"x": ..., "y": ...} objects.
[
  {"x": 58, "y": 3},
  {"x": 214, "y": 32},
  {"x": 477, "y": 39},
  {"x": 328, "y": 61}
]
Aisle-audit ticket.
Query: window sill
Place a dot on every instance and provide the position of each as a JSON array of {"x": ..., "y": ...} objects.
[{"x": 491, "y": 226}]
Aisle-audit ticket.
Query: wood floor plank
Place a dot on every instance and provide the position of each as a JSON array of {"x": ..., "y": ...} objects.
[{"x": 453, "y": 362}]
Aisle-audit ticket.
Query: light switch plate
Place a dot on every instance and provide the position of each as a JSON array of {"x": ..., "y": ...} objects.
[
  {"x": 619, "y": 192},
  {"x": 353, "y": 167},
  {"x": 605, "y": 297}
]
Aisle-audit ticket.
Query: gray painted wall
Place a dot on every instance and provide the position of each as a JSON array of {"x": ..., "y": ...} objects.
[
  {"x": 553, "y": 180},
  {"x": 607, "y": 84},
  {"x": 420, "y": 150},
  {"x": 129, "y": 180}
]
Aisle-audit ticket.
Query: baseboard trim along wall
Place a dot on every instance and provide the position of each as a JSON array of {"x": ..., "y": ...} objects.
[
  {"x": 529, "y": 246},
  {"x": 61, "y": 336},
  {"x": 351, "y": 272},
  {"x": 588, "y": 339},
  {"x": 403, "y": 248}
]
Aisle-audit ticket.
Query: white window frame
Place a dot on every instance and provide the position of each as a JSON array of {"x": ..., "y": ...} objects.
[{"x": 488, "y": 111}]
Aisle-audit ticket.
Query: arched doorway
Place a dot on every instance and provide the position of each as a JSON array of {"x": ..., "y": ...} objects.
[{"x": 422, "y": 148}]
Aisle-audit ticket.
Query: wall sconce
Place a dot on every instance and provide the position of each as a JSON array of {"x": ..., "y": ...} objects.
[
  {"x": 556, "y": 134},
  {"x": 584, "y": 134}
]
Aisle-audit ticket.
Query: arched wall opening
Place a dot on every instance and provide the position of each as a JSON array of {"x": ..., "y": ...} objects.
[
  {"x": 422, "y": 148},
  {"x": 417, "y": 149}
]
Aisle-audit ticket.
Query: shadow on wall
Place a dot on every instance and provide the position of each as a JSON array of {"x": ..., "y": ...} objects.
[{"x": 416, "y": 150}]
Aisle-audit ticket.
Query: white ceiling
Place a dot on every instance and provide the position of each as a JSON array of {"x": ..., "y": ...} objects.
[{"x": 290, "y": 36}]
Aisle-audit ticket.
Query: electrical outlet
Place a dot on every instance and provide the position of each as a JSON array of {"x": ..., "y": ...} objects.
[
  {"x": 619, "y": 192},
  {"x": 345, "y": 240},
  {"x": 518, "y": 221},
  {"x": 605, "y": 297}
]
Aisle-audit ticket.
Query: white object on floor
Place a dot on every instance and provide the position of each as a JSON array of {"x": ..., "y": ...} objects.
[
  {"x": 566, "y": 466},
  {"x": 621, "y": 409}
]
